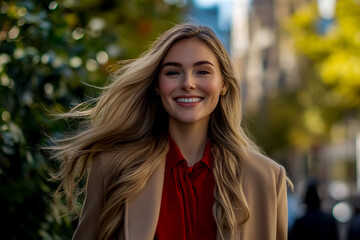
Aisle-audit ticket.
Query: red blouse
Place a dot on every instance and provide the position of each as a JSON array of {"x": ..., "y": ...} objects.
[{"x": 187, "y": 198}]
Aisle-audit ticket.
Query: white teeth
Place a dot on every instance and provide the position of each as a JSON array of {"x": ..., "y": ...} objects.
[{"x": 188, "y": 100}]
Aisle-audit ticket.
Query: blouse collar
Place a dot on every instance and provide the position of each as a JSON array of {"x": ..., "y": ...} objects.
[{"x": 174, "y": 156}]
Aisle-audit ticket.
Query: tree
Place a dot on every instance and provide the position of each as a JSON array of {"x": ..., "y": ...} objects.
[
  {"x": 335, "y": 54},
  {"x": 328, "y": 93},
  {"x": 49, "y": 52}
]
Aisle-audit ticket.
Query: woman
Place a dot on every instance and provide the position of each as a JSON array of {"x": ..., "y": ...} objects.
[{"x": 168, "y": 158}]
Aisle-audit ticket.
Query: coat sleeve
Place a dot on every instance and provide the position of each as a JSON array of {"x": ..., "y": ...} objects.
[
  {"x": 282, "y": 211},
  {"x": 90, "y": 214}
]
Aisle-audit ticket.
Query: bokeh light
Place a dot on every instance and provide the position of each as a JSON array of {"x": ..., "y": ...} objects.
[
  {"x": 342, "y": 212},
  {"x": 49, "y": 89},
  {"x": 91, "y": 65},
  {"x": 75, "y": 62},
  {"x": 102, "y": 57},
  {"x": 5, "y": 116},
  {"x": 339, "y": 190},
  {"x": 78, "y": 33},
  {"x": 13, "y": 32},
  {"x": 53, "y": 5}
]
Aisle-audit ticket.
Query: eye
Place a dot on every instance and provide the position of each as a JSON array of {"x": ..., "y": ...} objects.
[
  {"x": 171, "y": 73},
  {"x": 203, "y": 72}
]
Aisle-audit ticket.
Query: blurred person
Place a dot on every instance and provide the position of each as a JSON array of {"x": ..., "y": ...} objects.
[
  {"x": 166, "y": 155},
  {"x": 354, "y": 227},
  {"x": 315, "y": 224}
]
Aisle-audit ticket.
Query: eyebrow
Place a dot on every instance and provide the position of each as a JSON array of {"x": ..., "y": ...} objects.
[{"x": 176, "y": 64}]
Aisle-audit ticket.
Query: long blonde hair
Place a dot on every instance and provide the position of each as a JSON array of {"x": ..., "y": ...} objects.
[{"x": 129, "y": 116}]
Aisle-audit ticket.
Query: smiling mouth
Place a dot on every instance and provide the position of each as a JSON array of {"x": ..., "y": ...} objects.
[{"x": 188, "y": 100}]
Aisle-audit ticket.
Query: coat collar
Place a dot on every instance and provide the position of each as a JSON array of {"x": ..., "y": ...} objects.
[{"x": 142, "y": 212}]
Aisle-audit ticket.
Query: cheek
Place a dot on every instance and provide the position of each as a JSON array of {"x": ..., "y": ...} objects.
[
  {"x": 166, "y": 86},
  {"x": 213, "y": 87}
]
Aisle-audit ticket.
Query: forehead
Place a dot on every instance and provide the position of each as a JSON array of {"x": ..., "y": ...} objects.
[{"x": 190, "y": 51}]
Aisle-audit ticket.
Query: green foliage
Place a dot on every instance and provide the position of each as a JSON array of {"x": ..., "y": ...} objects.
[
  {"x": 48, "y": 50},
  {"x": 336, "y": 53},
  {"x": 331, "y": 64}
]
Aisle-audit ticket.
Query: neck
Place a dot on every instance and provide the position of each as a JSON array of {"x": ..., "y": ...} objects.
[{"x": 190, "y": 139}]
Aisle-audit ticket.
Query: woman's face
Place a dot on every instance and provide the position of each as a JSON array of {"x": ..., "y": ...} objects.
[{"x": 190, "y": 82}]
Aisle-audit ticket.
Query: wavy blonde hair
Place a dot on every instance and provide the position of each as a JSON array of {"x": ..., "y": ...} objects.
[{"x": 129, "y": 116}]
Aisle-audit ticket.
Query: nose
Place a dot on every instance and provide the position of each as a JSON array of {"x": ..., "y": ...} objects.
[{"x": 188, "y": 82}]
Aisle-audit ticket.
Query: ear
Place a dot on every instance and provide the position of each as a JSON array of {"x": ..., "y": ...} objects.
[
  {"x": 157, "y": 90},
  {"x": 224, "y": 89}
]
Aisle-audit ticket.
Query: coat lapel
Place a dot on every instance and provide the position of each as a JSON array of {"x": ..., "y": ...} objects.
[{"x": 142, "y": 212}]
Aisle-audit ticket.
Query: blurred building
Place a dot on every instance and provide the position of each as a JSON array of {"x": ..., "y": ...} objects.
[
  {"x": 215, "y": 14},
  {"x": 264, "y": 55}
]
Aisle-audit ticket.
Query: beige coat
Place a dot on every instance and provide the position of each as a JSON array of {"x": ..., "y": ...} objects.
[{"x": 264, "y": 187}]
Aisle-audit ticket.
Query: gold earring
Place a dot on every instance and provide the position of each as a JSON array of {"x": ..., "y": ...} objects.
[
  {"x": 157, "y": 91},
  {"x": 223, "y": 92}
]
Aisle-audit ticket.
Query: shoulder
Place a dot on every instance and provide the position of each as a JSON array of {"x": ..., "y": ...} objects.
[
  {"x": 101, "y": 166},
  {"x": 258, "y": 162},
  {"x": 102, "y": 161},
  {"x": 261, "y": 169},
  {"x": 105, "y": 159},
  {"x": 264, "y": 185}
]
